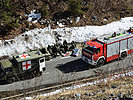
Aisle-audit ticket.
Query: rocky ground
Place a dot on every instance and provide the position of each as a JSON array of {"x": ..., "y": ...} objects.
[{"x": 121, "y": 89}]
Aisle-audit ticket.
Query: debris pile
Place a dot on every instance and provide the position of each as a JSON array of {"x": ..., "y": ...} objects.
[{"x": 33, "y": 17}]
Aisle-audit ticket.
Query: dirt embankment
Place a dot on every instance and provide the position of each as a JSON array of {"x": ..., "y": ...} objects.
[{"x": 121, "y": 89}]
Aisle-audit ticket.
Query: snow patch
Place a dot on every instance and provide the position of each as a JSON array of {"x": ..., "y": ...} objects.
[{"x": 40, "y": 38}]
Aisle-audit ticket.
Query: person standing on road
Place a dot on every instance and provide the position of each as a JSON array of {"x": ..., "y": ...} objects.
[
  {"x": 49, "y": 48},
  {"x": 73, "y": 46},
  {"x": 65, "y": 46}
]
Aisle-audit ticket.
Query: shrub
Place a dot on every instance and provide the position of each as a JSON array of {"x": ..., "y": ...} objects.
[
  {"x": 5, "y": 4},
  {"x": 8, "y": 22},
  {"x": 75, "y": 7},
  {"x": 44, "y": 10}
]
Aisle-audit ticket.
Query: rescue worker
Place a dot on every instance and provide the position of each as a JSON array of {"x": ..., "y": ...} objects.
[
  {"x": 26, "y": 37},
  {"x": 62, "y": 48},
  {"x": 43, "y": 50},
  {"x": 54, "y": 50},
  {"x": 114, "y": 34},
  {"x": 65, "y": 46},
  {"x": 130, "y": 30},
  {"x": 59, "y": 49},
  {"x": 50, "y": 50},
  {"x": 64, "y": 42},
  {"x": 73, "y": 46},
  {"x": 57, "y": 36}
]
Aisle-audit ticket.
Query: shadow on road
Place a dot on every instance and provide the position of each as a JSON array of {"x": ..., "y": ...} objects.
[{"x": 74, "y": 66}]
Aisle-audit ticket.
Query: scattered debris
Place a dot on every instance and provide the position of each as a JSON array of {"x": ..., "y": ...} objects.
[
  {"x": 26, "y": 37},
  {"x": 78, "y": 95},
  {"x": 94, "y": 18},
  {"x": 32, "y": 17},
  {"x": 112, "y": 94},
  {"x": 119, "y": 95},
  {"x": 69, "y": 98},
  {"x": 60, "y": 24},
  {"x": 77, "y": 19},
  {"x": 113, "y": 86},
  {"x": 91, "y": 94},
  {"x": 86, "y": 94}
]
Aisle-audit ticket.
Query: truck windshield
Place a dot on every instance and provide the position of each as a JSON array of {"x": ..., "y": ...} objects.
[{"x": 88, "y": 48}]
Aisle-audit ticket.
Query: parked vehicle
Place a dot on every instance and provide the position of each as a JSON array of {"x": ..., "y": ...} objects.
[
  {"x": 97, "y": 52},
  {"x": 27, "y": 65}
]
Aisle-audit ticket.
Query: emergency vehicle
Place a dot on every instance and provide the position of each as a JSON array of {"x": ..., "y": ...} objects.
[
  {"x": 98, "y": 51},
  {"x": 25, "y": 65}
]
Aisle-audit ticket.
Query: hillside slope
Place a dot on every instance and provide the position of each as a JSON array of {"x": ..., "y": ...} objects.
[{"x": 55, "y": 12}]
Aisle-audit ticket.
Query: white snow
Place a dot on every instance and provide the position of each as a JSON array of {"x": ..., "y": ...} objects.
[{"x": 40, "y": 38}]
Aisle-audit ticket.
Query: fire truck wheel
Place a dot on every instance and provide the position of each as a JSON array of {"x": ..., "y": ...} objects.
[
  {"x": 123, "y": 55},
  {"x": 100, "y": 62}
]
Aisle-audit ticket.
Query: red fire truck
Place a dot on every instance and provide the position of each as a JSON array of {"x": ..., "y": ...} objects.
[{"x": 96, "y": 52}]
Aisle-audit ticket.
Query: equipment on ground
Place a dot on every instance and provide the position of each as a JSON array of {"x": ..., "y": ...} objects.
[
  {"x": 61, "y": 49},
  {"x": 75, "y": 52},
  {"x": 96, "y": 52},
  {"x": 27, "y": 65}
]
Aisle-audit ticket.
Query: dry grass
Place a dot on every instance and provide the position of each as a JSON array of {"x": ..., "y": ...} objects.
[{"x": 96, "y": 92}]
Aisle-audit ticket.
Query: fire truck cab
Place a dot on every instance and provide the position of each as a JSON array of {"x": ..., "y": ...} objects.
[
  {"x": 92, "y": 52},
  {"x": 98, "y": 51}
]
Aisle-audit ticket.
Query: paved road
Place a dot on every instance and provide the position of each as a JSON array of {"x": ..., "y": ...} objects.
[{"x": 65, "y": 69}]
